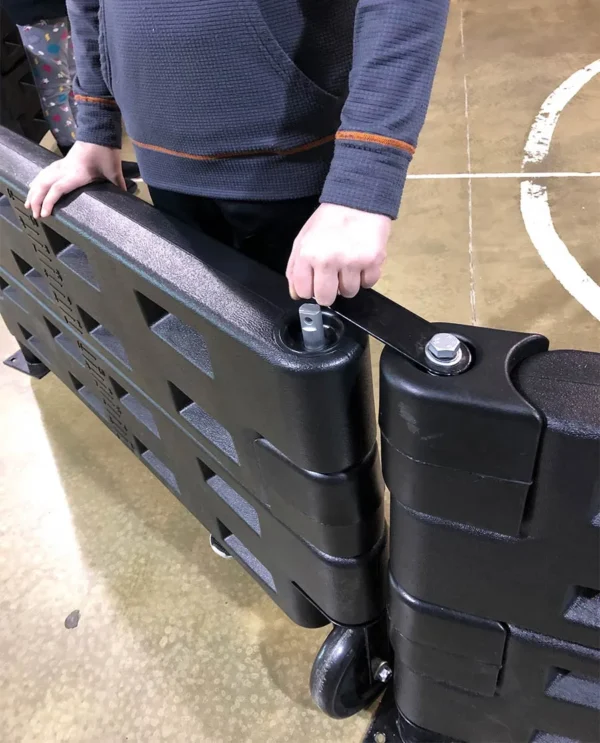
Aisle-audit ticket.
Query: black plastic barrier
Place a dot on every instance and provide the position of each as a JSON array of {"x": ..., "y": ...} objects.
[
  {"x": 495, "y": 542},
  {"x": 493, "y": 464},
  {"x": 197, "y": 366}
]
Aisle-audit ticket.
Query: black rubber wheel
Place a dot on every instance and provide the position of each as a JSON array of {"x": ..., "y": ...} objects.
[{"x": 341, "y": 682}]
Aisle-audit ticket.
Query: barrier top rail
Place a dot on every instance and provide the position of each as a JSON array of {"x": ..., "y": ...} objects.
[
  {"x": 138, "y": 239},
  {"x": 380, "y": 317}
]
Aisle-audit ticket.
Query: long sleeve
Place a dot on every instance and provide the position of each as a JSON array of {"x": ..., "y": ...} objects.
[
  {"x": 98, "y": 116},
  {"x": 396, "y": 49}
]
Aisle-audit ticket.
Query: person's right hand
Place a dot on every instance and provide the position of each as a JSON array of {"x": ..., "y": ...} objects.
[{"x": 83, "y": 164}]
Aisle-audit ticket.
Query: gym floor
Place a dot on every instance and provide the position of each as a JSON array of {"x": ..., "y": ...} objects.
[{"x": 175, "y": 644}]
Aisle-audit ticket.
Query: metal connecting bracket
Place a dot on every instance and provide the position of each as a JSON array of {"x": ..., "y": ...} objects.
[{"x": 410, "y": 335}]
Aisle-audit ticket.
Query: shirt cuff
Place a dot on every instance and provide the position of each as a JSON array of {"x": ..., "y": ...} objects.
[
  {"x": 368, "y": 177},
  {"x": 98, "y": 121}
]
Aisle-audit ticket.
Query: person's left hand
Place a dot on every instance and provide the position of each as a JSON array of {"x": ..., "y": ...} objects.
[{"x": 338, "y": 251}]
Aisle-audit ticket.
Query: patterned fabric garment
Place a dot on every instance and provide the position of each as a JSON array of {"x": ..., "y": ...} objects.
[{"x": 50, "y": 51}]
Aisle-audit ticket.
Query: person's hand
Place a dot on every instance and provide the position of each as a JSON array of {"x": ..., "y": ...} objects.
[
  {"x": 83, "y": 164},
  {"x": 338, "y": 251}
]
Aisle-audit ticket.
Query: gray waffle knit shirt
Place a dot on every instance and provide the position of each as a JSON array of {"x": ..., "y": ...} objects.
[{"x": 261, "y": 99}]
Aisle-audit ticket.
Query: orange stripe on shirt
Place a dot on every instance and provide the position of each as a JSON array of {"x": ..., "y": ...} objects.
[
  {"x": 399, "y": 144},
  {"x": 227, "y": 155},
  {"x": 93, "y": 99}
]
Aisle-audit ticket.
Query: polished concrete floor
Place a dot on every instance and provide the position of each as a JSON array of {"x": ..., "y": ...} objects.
[{"x": 173, "y": 644}]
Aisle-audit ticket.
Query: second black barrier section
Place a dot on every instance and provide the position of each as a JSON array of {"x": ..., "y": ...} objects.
[
  {"x": 495, "y": 543},
  {"x": 20, "y": 107},
  {"x": 196, "y": 367}
]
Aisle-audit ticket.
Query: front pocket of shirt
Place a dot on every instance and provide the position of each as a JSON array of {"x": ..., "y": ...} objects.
[
  {"x": 283, "y": 64},
  {"x": 216, "y": 82}
]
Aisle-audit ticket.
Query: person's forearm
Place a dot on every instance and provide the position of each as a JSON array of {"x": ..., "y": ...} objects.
[
  {"x": 396, "y": 49},
  {"x": 98, "y": 117}
]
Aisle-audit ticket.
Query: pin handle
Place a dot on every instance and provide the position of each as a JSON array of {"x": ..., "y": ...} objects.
[{"x": 311, "y": 324}]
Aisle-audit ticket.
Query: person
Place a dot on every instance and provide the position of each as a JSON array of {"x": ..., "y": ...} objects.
[
  {"x": 44, "y": 29},
  {"x": 284, "y": 128}
]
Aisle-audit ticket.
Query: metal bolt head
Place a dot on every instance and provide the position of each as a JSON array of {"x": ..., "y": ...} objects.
[
  {"x": 444, "y": 346},
  {"x": 383, "y": 673}
]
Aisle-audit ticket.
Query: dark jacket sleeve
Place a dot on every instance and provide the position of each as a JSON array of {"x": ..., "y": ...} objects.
[
  {"x": 98, "y": 117},
  {"x": 396, "y": 49}
]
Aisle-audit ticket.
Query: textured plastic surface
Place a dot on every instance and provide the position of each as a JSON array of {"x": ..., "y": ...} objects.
[
  {"x": 507, "y": 535},
  {"x": 543, "y": 690},
  {"x": 273, "y": 450},
  {"x": 495, "y": 569}
]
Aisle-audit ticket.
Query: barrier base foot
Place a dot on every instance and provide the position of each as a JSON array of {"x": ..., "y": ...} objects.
[
  {"x": 32, "y": 368},
  {"x": 384, "y": 727},
  {"x": 390, "y": 726}
]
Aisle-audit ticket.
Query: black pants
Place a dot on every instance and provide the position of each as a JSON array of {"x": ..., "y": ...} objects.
[{"x": 262, "y": 230}]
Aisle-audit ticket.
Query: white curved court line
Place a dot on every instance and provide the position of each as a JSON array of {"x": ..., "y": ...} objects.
[
  {"x": 534, "y": 197},
  {"x": 555, "y": 254},
  {"x": 540, "y": 136}
]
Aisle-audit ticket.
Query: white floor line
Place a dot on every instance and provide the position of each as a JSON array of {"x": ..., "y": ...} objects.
[
  {"x": 521, "y": 176},
  {"x": 472, "y": 294}
]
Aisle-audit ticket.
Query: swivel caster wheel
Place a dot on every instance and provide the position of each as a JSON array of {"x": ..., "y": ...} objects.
[
  {"x": 218, "y": 549},
  {"x": 344, "y": 678}
]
